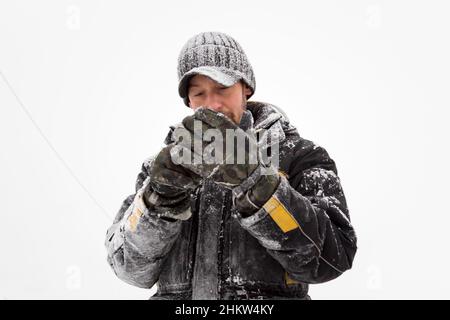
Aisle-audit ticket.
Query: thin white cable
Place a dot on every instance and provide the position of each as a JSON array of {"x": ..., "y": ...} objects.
[
  {"x": 302, "y": 232},
  {"x": 50, "y": 145},
  {"x": 317, "y": 247}
]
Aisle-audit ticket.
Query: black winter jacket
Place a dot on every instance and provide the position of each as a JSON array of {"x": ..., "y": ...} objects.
[{"x": 301, "y": 236}]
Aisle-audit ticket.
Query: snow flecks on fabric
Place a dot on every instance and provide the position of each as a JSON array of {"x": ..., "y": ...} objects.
[
  {"x": 320, "y": 182},
  {"x": 270, "y": 244},
  {"x": 290, "y": 144},
  {"x": 264, "y": 114},
  {"x": 336, "y": 208},
  {"x": 238, "y": 280},
  {"x": 323, "y": 189},
  {"x": 235, "y": 279}
]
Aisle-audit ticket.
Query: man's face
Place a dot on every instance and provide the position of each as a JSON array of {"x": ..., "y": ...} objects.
[{"x": 231, "y": 101}]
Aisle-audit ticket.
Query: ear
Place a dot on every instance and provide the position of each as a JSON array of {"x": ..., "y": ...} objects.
[{"x": 247, "y": 90}]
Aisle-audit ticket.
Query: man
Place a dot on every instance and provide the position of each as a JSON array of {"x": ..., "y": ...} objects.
[{"x": 264, "y": 225}]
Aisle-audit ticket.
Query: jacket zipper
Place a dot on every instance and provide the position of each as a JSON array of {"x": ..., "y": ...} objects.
[
  {"x": 221, "y": 242},
  {"x": 193, "y": 232}
]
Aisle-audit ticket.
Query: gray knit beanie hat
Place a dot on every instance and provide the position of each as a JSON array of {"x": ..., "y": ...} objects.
[{"x": 217, "y": 56}]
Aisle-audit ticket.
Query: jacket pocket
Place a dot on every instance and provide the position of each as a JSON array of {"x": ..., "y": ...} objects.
[{"x": 250, "y": 263}]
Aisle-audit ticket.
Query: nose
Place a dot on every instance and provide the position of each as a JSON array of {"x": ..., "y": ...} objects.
[{"x": 213, "y": 102}]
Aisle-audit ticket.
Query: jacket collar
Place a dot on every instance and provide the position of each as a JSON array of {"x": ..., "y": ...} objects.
[{"x": 268, "y": 118}]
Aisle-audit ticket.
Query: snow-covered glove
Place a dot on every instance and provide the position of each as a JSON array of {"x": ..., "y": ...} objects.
[
  {"x": 170, "y": 187},
  {"x": 221, "y": 167},
  {"x": 241, "y": 169}
]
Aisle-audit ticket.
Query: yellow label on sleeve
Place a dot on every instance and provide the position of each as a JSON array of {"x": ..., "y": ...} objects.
[
  {"x": 280, "y": 215},
  {"x": 133, "y": 219}
]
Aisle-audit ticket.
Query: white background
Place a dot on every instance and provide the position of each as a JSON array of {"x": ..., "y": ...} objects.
[{"x": 367, "y": 80}]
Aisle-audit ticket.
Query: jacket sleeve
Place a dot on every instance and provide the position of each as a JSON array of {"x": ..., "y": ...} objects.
[
  {"x": 305, "y": 225},
  {"x": 139, "y": 240}
]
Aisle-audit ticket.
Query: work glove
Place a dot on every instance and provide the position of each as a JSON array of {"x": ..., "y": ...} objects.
[
  {"x": 170, "y": 188},
  {"x": 239, "y": 168},
  {"x": 222, "y": 167}
]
